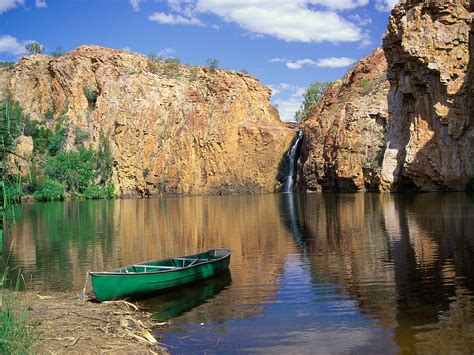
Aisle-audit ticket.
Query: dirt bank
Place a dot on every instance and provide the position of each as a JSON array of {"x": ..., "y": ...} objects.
[{"x": 69, "y": 325}]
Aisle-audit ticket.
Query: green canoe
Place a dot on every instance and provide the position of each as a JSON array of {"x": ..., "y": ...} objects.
[{"x": 153, "y": 276}]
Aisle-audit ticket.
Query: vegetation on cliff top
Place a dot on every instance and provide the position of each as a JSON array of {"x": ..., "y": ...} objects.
[{"x": 312, "y": 96}]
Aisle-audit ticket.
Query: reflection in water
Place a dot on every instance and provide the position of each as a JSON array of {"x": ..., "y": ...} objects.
[
  {"x": 175, "y": 303},
  {"x": 315, "y": 273}
]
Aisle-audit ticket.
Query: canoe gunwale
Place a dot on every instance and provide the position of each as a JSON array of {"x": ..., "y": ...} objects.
[{"x": 175, "y": 269}]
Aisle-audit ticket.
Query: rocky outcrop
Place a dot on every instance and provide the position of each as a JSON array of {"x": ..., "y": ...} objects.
[
  {"x": 430, "y": 128},
  {"x": 186, "y": 130},
  {"x": 344, "y": 134}
]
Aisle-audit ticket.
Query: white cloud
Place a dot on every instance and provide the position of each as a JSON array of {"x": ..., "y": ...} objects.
[
  {"x": 295, "y": 20},
  {"x": 361, "y": 20},
  {"x": 135, "y": 5},
  {"x": 334, "y": 62},
  {"x": 385, "y": 5},
  {"x": 41, "y": 4},
  {"x": 170, "y": 19},
  {"x": 300, "y": 63},
  {"x": 340, "y": 4},
  {"x": 166, "y": 52},
  {"x": 6, "y": 5},
  {"x": 278, "y": 60},
  {"x": 288, "y": 99},
  {"x": 286, "y": 20},
  {"x": 10, "y": 45}
]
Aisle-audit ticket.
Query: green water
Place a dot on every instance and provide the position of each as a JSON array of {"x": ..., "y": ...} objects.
[{"x": 360, "y": 273}]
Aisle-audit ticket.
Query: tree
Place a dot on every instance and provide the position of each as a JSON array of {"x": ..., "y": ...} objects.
[
  {"x": 213, "y": 64},
  {"x": 34, "y": 47},
  {"x": 59, "y": 52},
  {"x": 312, "y": 96},
  {"x": 154, "y": 57}
]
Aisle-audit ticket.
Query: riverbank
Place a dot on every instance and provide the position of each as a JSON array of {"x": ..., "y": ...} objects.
[{"x": 67, "y": 324}]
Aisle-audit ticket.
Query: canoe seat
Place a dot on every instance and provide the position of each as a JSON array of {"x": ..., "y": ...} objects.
[
  {"x": 155, "y": 267},
  {"x": 192, "y": 261}
]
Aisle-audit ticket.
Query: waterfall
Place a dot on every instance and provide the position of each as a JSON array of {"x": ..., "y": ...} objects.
[{"x": 293, "y": 155}]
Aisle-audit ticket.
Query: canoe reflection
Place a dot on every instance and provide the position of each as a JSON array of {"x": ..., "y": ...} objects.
[{"x": 177, "y": 302}]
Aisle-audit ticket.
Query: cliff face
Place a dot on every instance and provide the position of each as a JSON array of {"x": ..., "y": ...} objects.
[
  {"x": 430, "y": 128},
  {"x": 344, "y": 134},
  {"x": 193, "y": 129}
]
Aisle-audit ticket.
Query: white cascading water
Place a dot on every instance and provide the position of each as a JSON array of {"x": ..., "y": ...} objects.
[{"x": 292, "y": 154}]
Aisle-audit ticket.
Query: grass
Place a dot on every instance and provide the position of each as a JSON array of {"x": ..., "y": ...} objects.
[{"x": 17, "y": 334}]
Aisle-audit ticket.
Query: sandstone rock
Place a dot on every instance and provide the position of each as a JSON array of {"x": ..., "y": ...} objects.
[
  {"x": 344, "y": 134},
  {"x": 172, "y": 128},
  {"x": 430, "y": 127}
]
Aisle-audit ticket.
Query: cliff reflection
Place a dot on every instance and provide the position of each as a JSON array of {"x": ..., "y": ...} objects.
[
  {"x": 397, "y": 269},
  {"x": 407, "y": 259}
]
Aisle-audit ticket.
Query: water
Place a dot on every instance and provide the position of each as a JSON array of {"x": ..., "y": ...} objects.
[
  {"x": 293, "y": 155},
  {"x": 360, "y": 273}
]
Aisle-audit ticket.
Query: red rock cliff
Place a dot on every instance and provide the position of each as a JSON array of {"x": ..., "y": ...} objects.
[
  {"x": 429, "y": 49},
  {"x": 201, "y": 130}
]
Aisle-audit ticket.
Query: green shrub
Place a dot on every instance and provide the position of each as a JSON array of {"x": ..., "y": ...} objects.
[
  {"x": 8, "y": 65},
  {"x": 80, "y": 136},
  {"x": 14, "y": 191},
  {"x": 17, "y": 334},
  {"x": 369, "y": 85},
  {"x": 56, "y": 141},
  {"x": 470, "y": 184},
  {"x": 213, "y": 64},
  {"x": 49, "y": 114},
  {"x": 59, "y": 52},
  {"x": 96, "y": 192},
  {"x": 312, "y": 96},
  {"x": 76, "y": 170},
  {"x": 163, "y": 184},
  {"x": 91, "y": 96},
  {"x": 52, "y": 190},
  {"x": 171, "y": 67},
  {"x": 34, "y": 47},
  {"x": 105, "y": 160}
]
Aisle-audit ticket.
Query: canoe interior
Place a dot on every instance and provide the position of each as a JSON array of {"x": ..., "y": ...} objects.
[{"x": 171, "y": 264}]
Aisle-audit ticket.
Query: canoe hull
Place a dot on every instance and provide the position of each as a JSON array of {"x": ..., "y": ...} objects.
[{"x": 116, "y": 285}]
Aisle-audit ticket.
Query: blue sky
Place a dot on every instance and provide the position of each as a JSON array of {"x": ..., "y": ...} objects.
[{"x": 286, "y": 44}]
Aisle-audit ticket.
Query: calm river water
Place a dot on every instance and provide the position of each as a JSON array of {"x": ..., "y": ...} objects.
[{"x": 355, "y": 273}]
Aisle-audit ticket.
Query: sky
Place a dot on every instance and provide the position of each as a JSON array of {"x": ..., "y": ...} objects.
[{"x": 286, "y": 44}]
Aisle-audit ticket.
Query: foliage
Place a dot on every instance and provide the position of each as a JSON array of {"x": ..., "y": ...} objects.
[
  {"x": 193, "y": 74},
  {"x": 34, "y": 47},
  {"x": 17, "y": 334},
  {"x": 80, "y": 136},
  {"x": 146, "y": 172},
  {"x": 171, "y": 67},
  {"x": 59, "y": 52},
  {"x": 91, "y": 96},
  {"x": 96, "y": 192},
  {"x": 163, "y": 184},
  {"x": 49, "y": 114},
  {"x": 154, "y": 57},
  {"x": 369, "y": 85},
  {"x": 11, "y": 120},
  {"x": 56, "y": 141},
  {"x": 52, "y": 190},
  {"x": 105, "y": 160},
  {"x": 40, "y": 134},
  {"x": 75, "y": 170},
  {"x": 312, "y": 96},
  {"x": 470, "y": 184},
  {"x": 213, "y": 64},
  {"x": 8, "y": 65}
]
